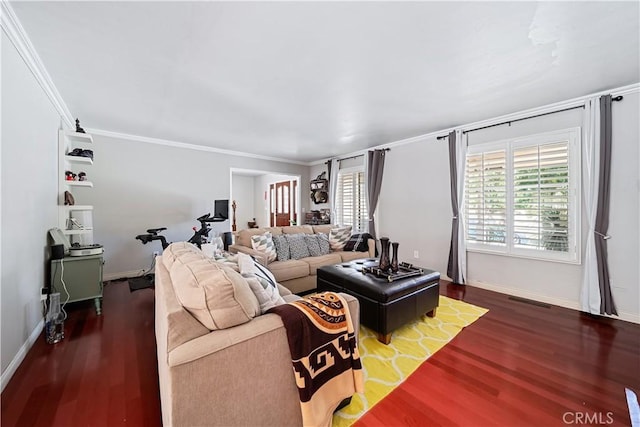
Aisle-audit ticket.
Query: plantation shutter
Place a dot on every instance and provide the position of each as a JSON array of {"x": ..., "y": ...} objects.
[
  {"x": 486, "y": 198},
  {"x": 541, "y": 197},
  {"x": 351, "y": 200}
]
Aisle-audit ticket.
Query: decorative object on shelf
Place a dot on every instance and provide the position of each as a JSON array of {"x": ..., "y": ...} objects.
[
  {"x": 54, "y": 324},
  {"x": 79, "y": 152},
  {"x": 82, "y": 176},
  {"x": 78, "y": 128},
  {"x": 233, "y": 207},
  {"x": 68, "y": 199},
  {"x": 384, "y": 264},
  {"x": 69, "y": 176},
  {"x": 252, "y": 224},
  {"x": 394, "y": 258},
  {"x": 404, "y": 270},
  {"x": 318, "y": 186}
]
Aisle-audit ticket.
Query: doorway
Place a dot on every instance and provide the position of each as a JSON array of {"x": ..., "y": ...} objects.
[{"x": 282, "y": 203}]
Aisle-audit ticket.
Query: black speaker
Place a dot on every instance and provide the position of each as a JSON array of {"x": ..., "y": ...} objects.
[
  {"x": 227, "y": 239},
  {"x": 57, "y": 251}
]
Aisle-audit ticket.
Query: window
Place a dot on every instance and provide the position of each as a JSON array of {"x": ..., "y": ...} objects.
[
  {"x": 351, "y": 205},
  {"x": 522, "y": 196}
]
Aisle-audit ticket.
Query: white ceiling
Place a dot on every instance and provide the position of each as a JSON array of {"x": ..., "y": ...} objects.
[{"x": 309, "y": 80}]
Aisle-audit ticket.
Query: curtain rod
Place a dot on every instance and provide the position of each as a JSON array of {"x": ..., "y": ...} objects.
[
  {"x": 617, "y": 98},
  {"x": 356, "y": 156}
]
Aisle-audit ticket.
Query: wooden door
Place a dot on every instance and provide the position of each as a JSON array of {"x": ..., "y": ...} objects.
[{"x": 280, "y": 203}]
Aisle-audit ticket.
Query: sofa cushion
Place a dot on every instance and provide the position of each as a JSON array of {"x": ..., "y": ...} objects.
[
  {"x": 350, "y": 256},
  {"x": 215, "y": 295},
  {"x": 297, "y": 229},
  {"x": 264, "y": 243},
  {"x": 297, "y": 246},
  {"x": 338, "y": 237},
  {"x": 323, "y": 228},
  {"x": 323, "y": 241},
  {"x": 178, "y": 249},
  {"x": 319, "y": 261},
  {"x": 287, "y": 270},
  {"x": 282, "y": 247}
]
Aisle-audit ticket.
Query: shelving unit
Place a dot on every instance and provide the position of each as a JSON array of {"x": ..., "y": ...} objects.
[{"x": 67, "y": 142}]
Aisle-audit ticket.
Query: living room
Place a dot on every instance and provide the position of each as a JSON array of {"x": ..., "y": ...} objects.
[{"x": 156, "y": 166}]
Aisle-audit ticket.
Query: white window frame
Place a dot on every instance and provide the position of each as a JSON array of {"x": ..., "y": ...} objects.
[
  {"x": 340, "y": 220},
  {"x": 573, "y": 256}
]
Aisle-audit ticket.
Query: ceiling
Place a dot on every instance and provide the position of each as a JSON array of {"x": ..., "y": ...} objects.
[{"x": 309, "y": 80}]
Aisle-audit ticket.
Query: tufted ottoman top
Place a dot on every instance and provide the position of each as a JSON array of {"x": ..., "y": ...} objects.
[{"x": 349, "y": 275}]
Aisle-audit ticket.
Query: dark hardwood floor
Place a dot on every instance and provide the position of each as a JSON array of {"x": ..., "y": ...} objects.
[{"x": 520, "y": 364}]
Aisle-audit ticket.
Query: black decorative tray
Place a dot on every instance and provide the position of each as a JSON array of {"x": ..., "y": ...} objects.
[{"x": 404, "y": 270}]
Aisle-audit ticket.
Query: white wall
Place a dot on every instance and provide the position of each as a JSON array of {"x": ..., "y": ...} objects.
[
  {"x": 242, "y": 192},
  {"x": 139, "y": 185},
  {"x": 29, "y": 204},
  {"x": 415, "y": 210}
]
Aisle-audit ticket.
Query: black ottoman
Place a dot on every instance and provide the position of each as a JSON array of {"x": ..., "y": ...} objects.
[{"x": 384, "y": 305}]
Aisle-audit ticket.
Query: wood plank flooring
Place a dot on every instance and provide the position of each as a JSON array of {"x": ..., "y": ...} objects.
[{"x": 520, "y": 364}]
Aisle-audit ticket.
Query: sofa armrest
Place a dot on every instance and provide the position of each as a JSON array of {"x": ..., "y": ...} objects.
[
  {"x": 372, "y": 248},
  {"x": 261, "y": 257}
]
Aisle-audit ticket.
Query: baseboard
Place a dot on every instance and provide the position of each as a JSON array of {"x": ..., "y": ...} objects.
[
  {"x": 17, "y": 360},
  {"x": 573, "y": 305},
  {"x": 122, "y": 275}
]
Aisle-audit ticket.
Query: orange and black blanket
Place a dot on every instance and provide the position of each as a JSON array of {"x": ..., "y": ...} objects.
[{"x": 324, "y": 352}]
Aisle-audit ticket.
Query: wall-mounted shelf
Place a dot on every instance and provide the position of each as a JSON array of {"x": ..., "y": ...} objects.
[
  {"x": 79, "y": 160},
  {"x": 80, "y": 183},
  {"x": 78, "y": 232},
  {"x": 78, "y": 208},
  {"x": 84, "y": 138}
]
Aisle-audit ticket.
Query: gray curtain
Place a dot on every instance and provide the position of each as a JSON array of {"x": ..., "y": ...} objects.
[
  {"x": 607, "y": 305},
  {"x": 453, "y": 266},
  {"x": 375, "y": 168}
]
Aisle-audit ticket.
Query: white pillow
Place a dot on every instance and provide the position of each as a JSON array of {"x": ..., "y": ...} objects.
[
  {"x": 261, "y": 282},
  {"x": 264, "y": 243}
]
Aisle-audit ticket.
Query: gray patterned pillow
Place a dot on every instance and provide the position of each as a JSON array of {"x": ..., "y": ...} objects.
[
  {"x": 323, "y": 241},
  {"x": 312, "y": 244},
  {"x": 264, "y": 243},
  {"x": 338, "y": 237},
  {"x": 282, "y": 247},
  {"x": 297, "y": 246}
]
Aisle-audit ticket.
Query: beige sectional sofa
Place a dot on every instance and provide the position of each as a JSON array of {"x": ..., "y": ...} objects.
[
  {"x": 296, "y": 275},
  {"x": 237, "y": 376}
]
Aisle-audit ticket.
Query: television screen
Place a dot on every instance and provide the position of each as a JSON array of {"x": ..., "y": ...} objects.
[{"x": 221, "y": 209}]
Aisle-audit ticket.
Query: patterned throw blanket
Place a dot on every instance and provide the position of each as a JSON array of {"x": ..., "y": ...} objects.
[{"x": 324, "y": 352}]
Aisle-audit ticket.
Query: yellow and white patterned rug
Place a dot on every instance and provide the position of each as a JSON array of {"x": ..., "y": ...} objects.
[{"x": 386, "y": 366}]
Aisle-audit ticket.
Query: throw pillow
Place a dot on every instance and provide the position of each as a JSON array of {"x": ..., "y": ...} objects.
[
  {"x": 312, "y": 244},
  {"x": 323, "y": 241},
  {"x": 297, "y": 246},
  {"x": 338, "y": 237},
  {"x": 215, "y": 295},
  {"x": 282, "y": 247},
  {"x": 358, "y": 242},
  {"x": 264, "y": 243},
  {"x": 260, "y": 281}
]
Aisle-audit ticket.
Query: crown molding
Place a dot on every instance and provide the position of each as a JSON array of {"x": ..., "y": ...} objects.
[
  {"x": 188, "y": 146},
  {"x": 18, "y": 37}
]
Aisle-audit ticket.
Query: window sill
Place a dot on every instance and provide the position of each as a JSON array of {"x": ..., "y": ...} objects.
[{"x": 524, "y": 256}]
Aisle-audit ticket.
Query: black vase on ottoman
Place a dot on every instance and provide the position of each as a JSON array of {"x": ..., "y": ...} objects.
[{"x": 384, "y": 306}]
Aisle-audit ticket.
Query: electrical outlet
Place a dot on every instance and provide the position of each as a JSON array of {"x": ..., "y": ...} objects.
[
  {"x": 43, "y": 294},
  {"x": 416, "y": 254}
]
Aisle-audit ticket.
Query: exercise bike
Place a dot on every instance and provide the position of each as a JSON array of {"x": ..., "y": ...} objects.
[{"x": 200, "y": 236}]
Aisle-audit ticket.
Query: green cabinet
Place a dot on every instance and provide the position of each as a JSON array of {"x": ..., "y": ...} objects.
[{"x": 80, "y": 277}]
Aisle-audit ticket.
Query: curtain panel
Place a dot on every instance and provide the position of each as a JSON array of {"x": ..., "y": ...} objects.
[
  {"x": 334, "y": 168},
  {"x": 373, "y": 178},
  {"x": 457, "y": 264}
]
